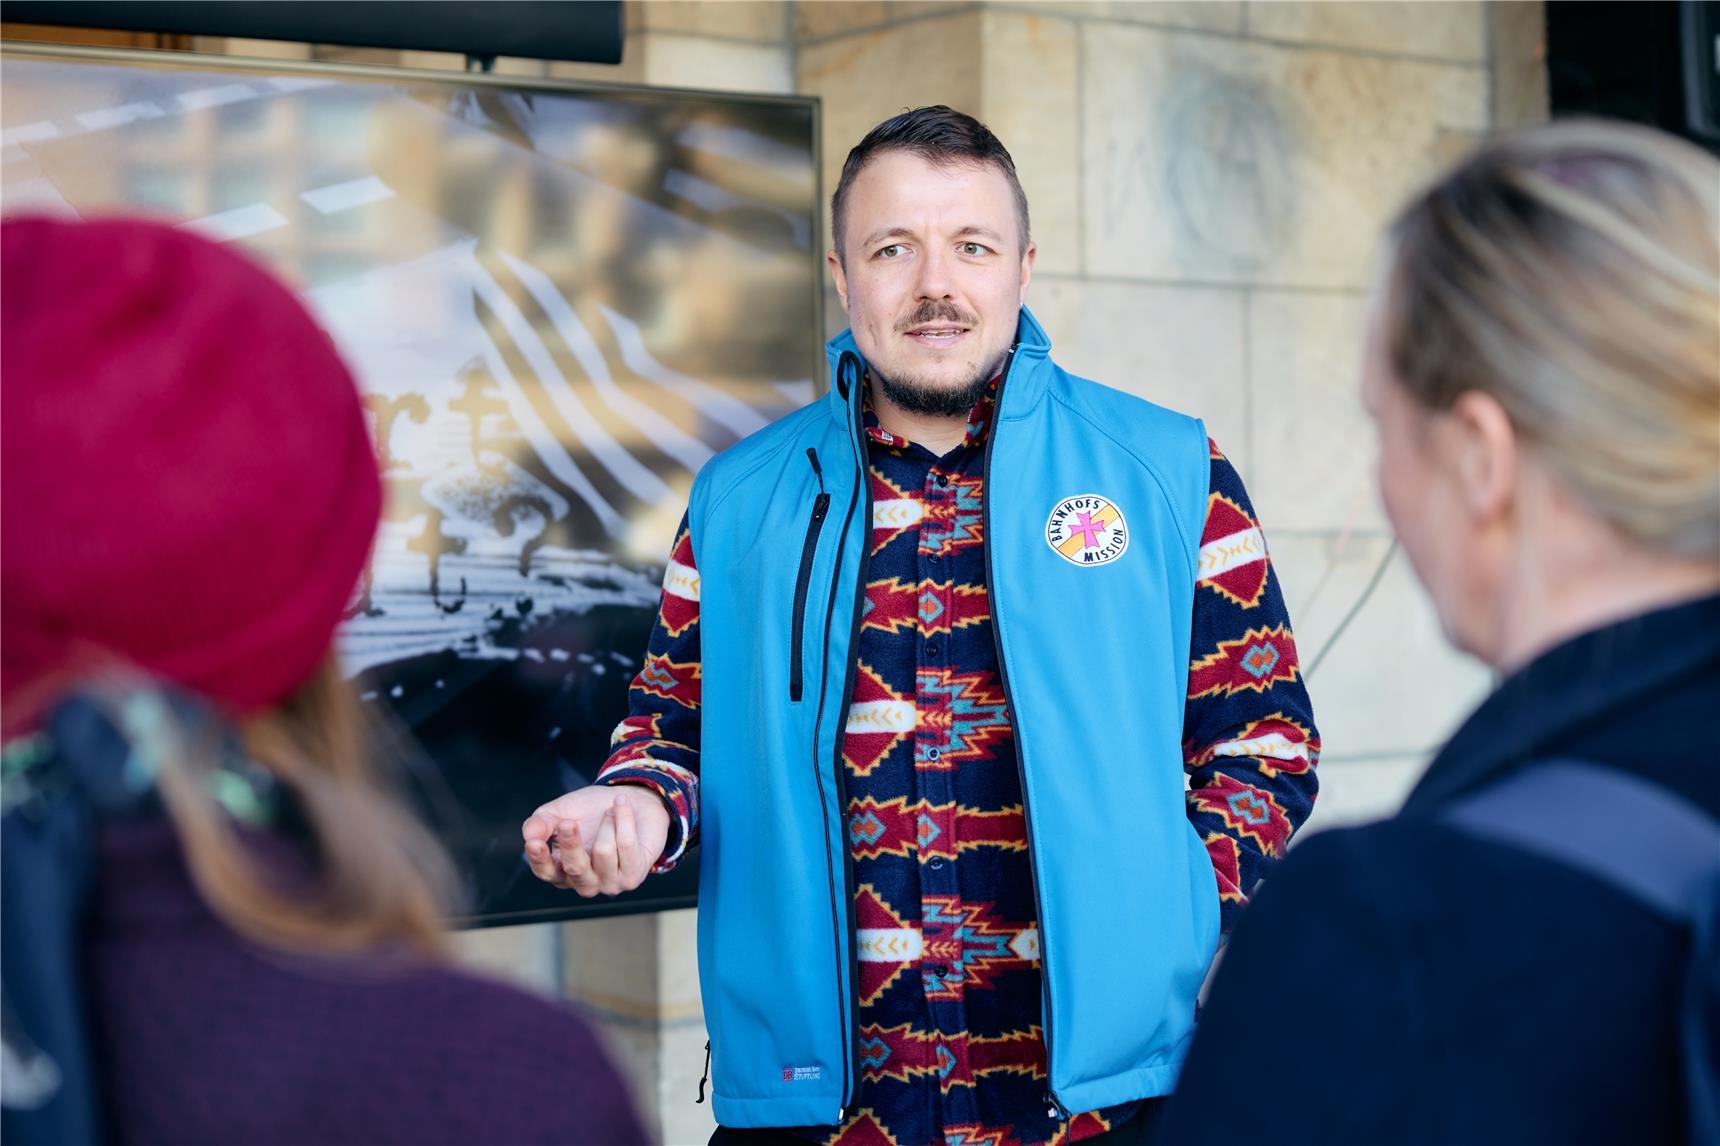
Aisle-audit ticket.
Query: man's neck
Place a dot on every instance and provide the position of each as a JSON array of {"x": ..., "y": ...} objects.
[{"x": 939, "y": 433}]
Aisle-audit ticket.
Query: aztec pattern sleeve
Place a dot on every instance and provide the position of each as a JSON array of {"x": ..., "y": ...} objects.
[
  {"x": 1249, "y": 741},
  {"x": 657, "y": 746}
]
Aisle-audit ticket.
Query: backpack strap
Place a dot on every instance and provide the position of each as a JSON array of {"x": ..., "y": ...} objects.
[
  {"x": 1655, "y": 846},
  {"x": 1658, "y": 848}
]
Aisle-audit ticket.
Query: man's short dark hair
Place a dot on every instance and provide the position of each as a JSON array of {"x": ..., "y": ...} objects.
[{"x": 940, "y": 135}]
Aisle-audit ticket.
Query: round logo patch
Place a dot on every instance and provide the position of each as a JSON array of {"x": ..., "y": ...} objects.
[{"x": 1087, "y": 530}]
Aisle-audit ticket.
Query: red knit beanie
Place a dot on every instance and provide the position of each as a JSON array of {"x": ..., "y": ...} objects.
[{"x": 186, "y": 481}]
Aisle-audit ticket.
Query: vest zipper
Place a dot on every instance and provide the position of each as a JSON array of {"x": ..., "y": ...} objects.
[
  {"x": 706, "y": 1076},
  {"x": 1054, "y": 1107},
  {"x": 841, "y": 770},
  {"x": 862, "y": 498},
  {"x": 808, "y": 550}
]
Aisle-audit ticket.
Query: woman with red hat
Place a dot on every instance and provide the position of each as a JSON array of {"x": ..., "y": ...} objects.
[{"x": 219, "y": 924}]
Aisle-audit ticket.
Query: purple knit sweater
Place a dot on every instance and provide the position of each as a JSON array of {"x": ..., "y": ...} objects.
[{"x": 203, "y": 1037}]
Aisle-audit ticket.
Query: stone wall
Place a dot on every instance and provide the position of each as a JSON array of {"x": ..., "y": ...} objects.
[{"x": 1208, "y": 181}]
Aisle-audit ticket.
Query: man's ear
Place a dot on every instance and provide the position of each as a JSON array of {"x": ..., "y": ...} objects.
[
  {"x": 1027, "y": 258},
  {"x": 1482, "y": 447},
  {"x": 839, "y": 276}
]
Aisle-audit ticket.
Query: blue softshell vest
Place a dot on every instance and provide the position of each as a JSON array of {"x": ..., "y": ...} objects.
[{"x": 1095, "y": 662}]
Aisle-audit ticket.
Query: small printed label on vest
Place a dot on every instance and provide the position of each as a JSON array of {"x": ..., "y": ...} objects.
[
  {"x": 802, "y": 1073},
  {"x": 1087, "y": 530}
]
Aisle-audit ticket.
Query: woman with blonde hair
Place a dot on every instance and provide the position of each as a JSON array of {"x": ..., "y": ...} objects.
[
  {"x": 219, "y": 923},
  {"x": 1519, "y": 955}
]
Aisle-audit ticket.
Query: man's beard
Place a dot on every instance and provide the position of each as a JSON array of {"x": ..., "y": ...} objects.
[{"x": 938, "y": 400}]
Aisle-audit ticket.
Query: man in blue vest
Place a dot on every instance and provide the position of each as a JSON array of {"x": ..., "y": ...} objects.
[{"x": 974, "y": 684}]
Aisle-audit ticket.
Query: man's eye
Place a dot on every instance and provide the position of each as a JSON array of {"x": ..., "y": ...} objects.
[
  {"x": 973, "y": 250},
  {"x": 890, "y": 252}
]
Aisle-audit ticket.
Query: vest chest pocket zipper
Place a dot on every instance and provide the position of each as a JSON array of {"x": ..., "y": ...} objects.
[{"x": 802, "y": 582}]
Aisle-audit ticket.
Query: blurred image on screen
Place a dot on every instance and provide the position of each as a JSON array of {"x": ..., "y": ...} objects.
[{"x": 559, "y": 301}]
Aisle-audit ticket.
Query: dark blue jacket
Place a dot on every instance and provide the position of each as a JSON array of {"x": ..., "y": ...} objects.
[{"x": 1405, "y": 982}]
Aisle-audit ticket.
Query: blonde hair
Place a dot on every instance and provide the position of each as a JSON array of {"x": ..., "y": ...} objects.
[
  {"x": 380, "y": 880},
  {"x": 1572, "y": 272}
]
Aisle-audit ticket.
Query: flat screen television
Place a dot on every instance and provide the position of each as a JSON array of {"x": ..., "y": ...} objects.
[{"x": 560, "y": 300}]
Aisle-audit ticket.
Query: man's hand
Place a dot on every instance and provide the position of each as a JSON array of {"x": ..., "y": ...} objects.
[{"x": 598, "y": 839}]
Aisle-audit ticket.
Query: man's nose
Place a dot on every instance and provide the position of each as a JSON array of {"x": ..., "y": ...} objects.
[{"x": 935, "y": 280}]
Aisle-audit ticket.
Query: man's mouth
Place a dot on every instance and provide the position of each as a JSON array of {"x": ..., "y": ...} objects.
[{"x": 934, "y": 334}]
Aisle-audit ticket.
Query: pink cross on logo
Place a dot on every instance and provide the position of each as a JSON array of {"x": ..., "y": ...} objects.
[{"x": 1089, "y": 530}]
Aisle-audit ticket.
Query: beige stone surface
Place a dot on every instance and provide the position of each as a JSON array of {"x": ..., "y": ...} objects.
[
  {"x": 765, "y": 20},
  {"x": 678, "y": 965},
  {"x": 636, "y": 978},
  {"x": 720, "y": 65},
  {"x": 835, "y": 320},
  {"x": 1390, "y": 685},
  {"x": 670, "y": 59},
  {"x": 1442, "y": 29},
  {"x": 1518, "y": 32},
  {"x": 610, "y": 969},
  {"x": 611, "y": 964},
  {"x": 524, "y": 956},
  {"x": 516, "y": 66},
  {"x": 252, "y": 49},
  {"x": 682, "y": 1031},
  {"x": 871, "y": 76},
  {"x": 1358, "y": 791},
  {"x": 1314, "y": 440},
  {"x": 1180, "y": 347},
  {"x": 684, "y": 1119},
  {"x": 817, "y": 19},
  {"x": 1205, "y": 15},
  {"x": 1214, "y": 159},
  {"x": 631, "y": 69},
  {"x": 390, "y": 58},
  {"x": 1030, "y": 97},
  {"x": 429, "y": 61}
]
